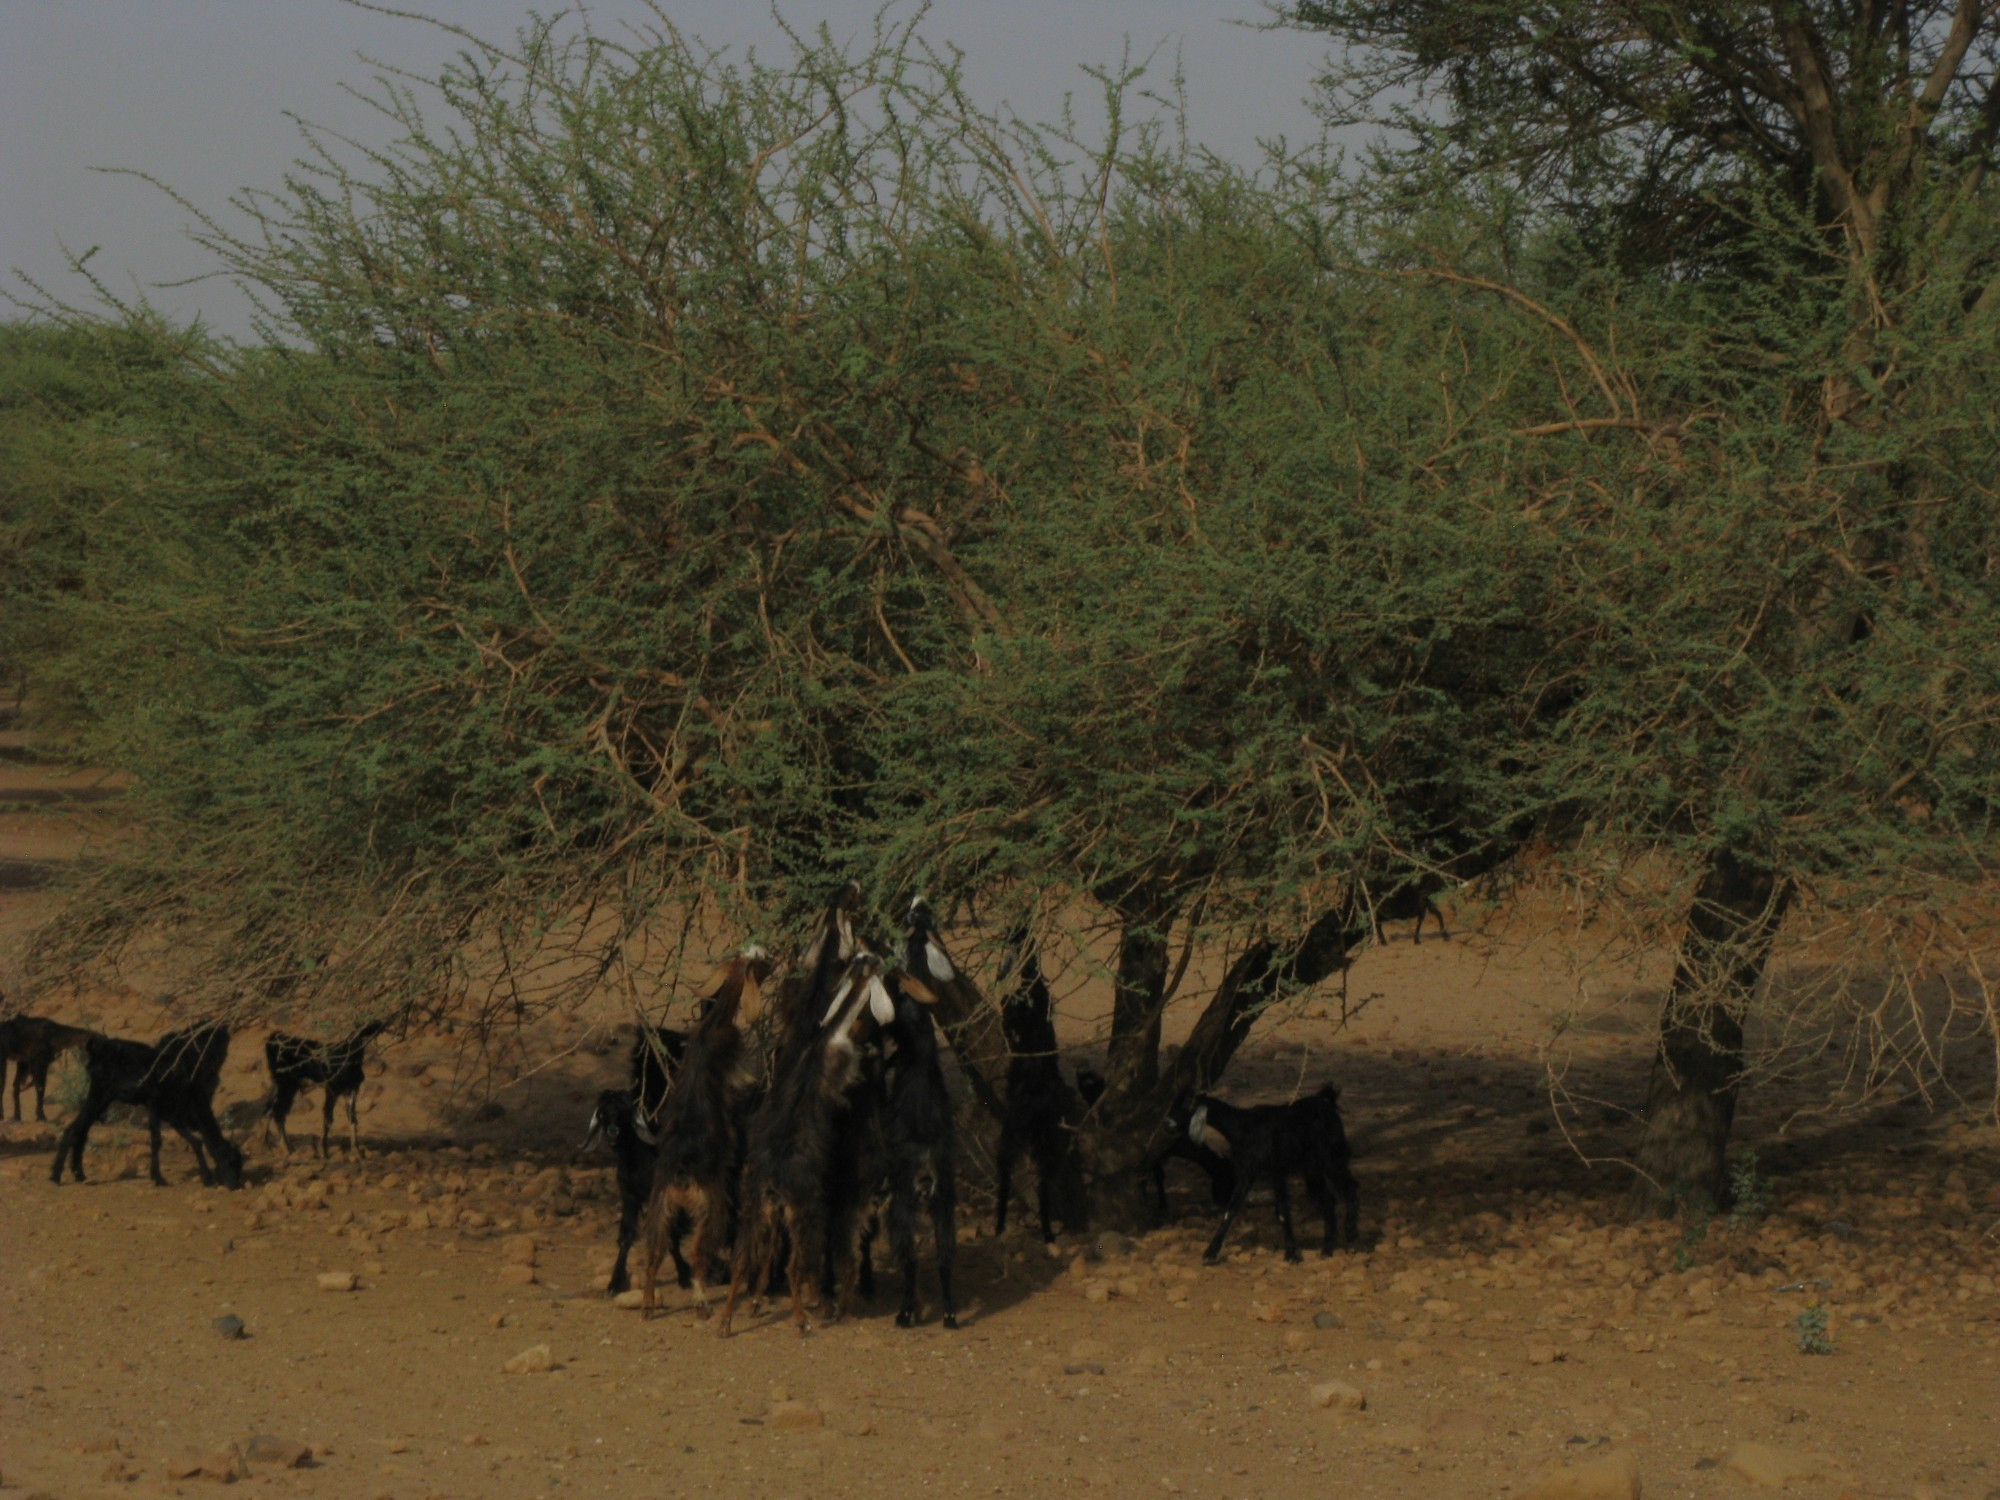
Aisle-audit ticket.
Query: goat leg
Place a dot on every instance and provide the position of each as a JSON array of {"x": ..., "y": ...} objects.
[
  {"x": 1005, "y": 1165},
  {"x": 1281, "y": 1196},
  {"x": 945, "y": 1231},
  {"x": 903, "y": 1245},
  {"x": 1214, "y": 1251},
  {"x": 354, "y": 1123}
]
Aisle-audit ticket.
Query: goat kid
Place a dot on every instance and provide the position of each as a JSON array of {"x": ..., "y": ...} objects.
[
  {"x": 1214, "y": 1165},
  {"x": 32, "y": 1044},
  {"x": 616, "y": 1121},
  {"x": 1270, "y": 1142},
  {"x": 298, "y": 1063},
  {"x": 175, "y": 1080}
]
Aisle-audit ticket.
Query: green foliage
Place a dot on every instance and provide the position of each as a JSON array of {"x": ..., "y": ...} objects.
[
  {"x": 1750, "y": 1197},
  {"x": 1810, "y": 1331}
]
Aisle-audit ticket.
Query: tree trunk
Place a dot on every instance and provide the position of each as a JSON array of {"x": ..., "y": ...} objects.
[
  {"x": 1132, "y": 1064},
  {"x": 1691, "y": 1102}
]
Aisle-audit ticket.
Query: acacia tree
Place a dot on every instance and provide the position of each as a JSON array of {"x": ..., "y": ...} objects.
[{"x": 1673, "y": 141}]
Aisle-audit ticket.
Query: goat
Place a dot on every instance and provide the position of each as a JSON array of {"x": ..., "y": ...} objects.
[
  {"x": 788, "y": 1179},
  {"x": 297, "y": 1063},
  {"x": 1221, "y": 1176},
  {"x": 920, "y": 1149},
  {"x": 617, "y": 1120},
  {"x": 657, "y": 1052},
  {"x": 1041, "y": 1113},
  {"x": 815, "y": 973},
  {"x": 1270, "y": 1142},
  {"x": 700, "y": 1154},
  {"x": 33, "y": 1044},
  {"x": 175, "y": 1079}
]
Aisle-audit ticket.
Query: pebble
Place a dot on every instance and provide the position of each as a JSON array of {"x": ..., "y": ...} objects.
[
  {"x": 1111, "y": 1245},
  {"x": 1771, "y": 1466},
  {"x": 1612, "y": 1477},
  {"x": 631, "y": 1298},
  {"x": 794, "y": 1416},
  {"x": 1338, "y": 1395},
  {"x": 1543, "y": 1354},
  {"x": 518, "y": 1250},
  {"x": 337, "y": 1281},
  {"x": 514, "y": 1274},
  {"x": 533, "y": 1361},
  {"x": 1326, "y": 1320},
  {"x": 229, "y": 1326},
  {"x": 286, "y": 1453},
  {"x": 223, "y": 1464}
]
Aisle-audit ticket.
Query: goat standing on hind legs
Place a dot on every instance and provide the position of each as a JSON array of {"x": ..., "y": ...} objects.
[
  {"x": 787, "y": 1174},
  {"x": 297, "y": 1063},
  {"x": 699, "y": 1155}
]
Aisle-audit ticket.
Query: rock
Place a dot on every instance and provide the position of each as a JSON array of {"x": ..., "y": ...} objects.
[
  {"x": 794, "y": 1416},
  {"x": 337, "y": 1281},
  {"x": 1111, "y": 1245},
  {"x": 285, "y": 1453},
  {"x": 518, "y": 1250},
  {"x": 1296, "y": 1340},
  {"x": 1543, "y": 1353},
  {"x": 1771, "y": 1466},
  {"x": 229, "y": 1326},
  {"x": 514, "y": 1274},
  {"x": 631, "y": 1298},
  {"x": 1326, "y": 1320},
  {"x": 224, "y": 1465},
  {"x": 1267, "y": 1312},
  {"x": 1086, "y": 1367},
  {"x": 533, "y": 1361},
  {"x": 104, "y": 1442},
  {"x": 1338, "y": 1395},
  {"x": 1612, "y": 1477}
]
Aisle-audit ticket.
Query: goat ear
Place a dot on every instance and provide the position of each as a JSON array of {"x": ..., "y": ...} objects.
[
  {"x": 596, "y": 1130},
  {"x": 938, "y": 962},
  {"x": 751, "y": 1006},
  {"x": 917, "y": 990},
  {"x": 880, "y": 1006},
  {"x": 1197, "y": 1127},
  {"x": 839, "y": 999},
  {"x": 642, "y": 1130}
]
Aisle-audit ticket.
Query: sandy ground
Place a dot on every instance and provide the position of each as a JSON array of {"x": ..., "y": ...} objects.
[{"x": 1506, "y": 1324}]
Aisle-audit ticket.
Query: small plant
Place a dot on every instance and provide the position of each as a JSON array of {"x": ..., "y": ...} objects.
[
  {"x": 69, "y": 1085},
  {"x": 1691, "y": 1238},
  {"x": 1812, "y": 1330},
  {"x": 1749, "y": 1192}
]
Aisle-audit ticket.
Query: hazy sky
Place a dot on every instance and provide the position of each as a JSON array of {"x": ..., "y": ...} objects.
[{"x": 196, "y": 92}]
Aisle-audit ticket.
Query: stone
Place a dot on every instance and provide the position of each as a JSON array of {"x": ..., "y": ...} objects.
[
  {"x": 229, "y": 1326},
  {"x": 1296, "y": 1341},
  {"x": 1615, "y": 1476},
  {"x": 104, "y": 1442},
  {"x": 1543, "y": 1353},
  {"x": 533, "y": 1361},
  {"x": 338, "y": 1281},
  {"x": 632, "y": 1298},
  {"x": 1338, "y": 1395},
  {"x": 518, "y": 1250},
  {"x": 794, "y": 1416},
  {"x": 514, "y": 1274},
  {"x": 224, "y": 1465},
  {"x": 1111, "y": 1245},
  {"x": 284, "y": 1453},
  {"x": 1326, "y": 1320},
  {"x": 1771, "y": 1466}
]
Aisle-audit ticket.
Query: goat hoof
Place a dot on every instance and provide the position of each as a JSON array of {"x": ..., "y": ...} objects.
[
  {"x": 951, "y": 1320},
  {"x": 1293, "y": 1256},
  {"x": 906, "y": 1319}
]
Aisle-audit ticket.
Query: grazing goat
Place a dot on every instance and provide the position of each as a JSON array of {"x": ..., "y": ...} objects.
[
  {"x": 815, "y": 974},
  {"x": 33, "y": 1044},
  {"x": 616, "y": 1121},
  {"x": 1269, "y": 1142},
  {"x": 920, "y": 1144},
  {"x": 298, "y": 1063},
  {"x": 1041, "y": 1113},
  {"x": 175, "y": 1080},
  {"x": 700, "y": 1155},
  {"x": 656, "y": 1056},
  {"x": 789, "y": 1175},
  {"x": 1221, "y": 1176}
]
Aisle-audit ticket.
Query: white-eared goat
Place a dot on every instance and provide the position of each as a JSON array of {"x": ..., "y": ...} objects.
[
  {"x": 615, "y": 1121},
  {"x": 1269, "y": 1143},
  {"x": 298, "y": 1062},
  {"x": 1214, "y": 1165},
  {"x": 175, "y": 1080},
  {"x": 789, "y": 1173}
]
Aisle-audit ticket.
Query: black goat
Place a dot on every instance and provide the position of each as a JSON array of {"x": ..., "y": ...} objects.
[
  {"x": 297, "y": 1063},
  {"x": 920, "y": 1150},
  {"x": 1041, "y": 1112},
  {"x": 700, "y": 1155},
  {"x": 32, "y": 1044},
  {"x": 616, "y": 1120},
  {"x": 789, "y": 1179},
  {"x": 657, "y": 1052},
  {"x": 175, "y": 1079},
  {"x": 1269, "y": 1142},
  {"x": 1221, "y": 1176}
]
